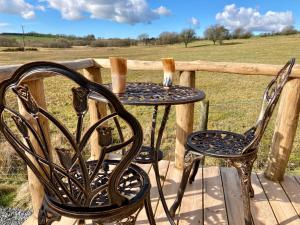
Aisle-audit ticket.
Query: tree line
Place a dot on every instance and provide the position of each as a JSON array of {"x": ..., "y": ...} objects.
[{"x": 216, "y": 33}]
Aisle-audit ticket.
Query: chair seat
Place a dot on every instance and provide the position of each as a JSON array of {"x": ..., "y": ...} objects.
[
  {"x": 223, "y": 144},
  {"x": 134, "y": 185}
]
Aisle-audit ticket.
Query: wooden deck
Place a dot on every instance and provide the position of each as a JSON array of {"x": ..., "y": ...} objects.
[{"x": 215, "y": 198}]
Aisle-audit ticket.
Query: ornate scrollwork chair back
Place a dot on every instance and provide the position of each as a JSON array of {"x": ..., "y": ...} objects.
[
  {"x": 269, "y": 101},
  {"x": 75, "y": 185}
]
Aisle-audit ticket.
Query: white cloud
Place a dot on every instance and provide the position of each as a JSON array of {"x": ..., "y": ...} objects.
[
  {"x": 121, "y": 11},
  {"x": 195, "y": 22},
  {"x": 41, "y": 7},
  {"x": 28, "y": 15},
  {"x": 163, "y": 11},
  {"x": 19, "y": 7},
  {"x": 252, "y": 20}
]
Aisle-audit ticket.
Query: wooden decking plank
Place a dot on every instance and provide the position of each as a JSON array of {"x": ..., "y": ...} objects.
[
  {"x": 170, "y": 189},
  {"x": 262, "y": 212},
  {"x": 297, "y": 179},
  {"x": 191, "y": 210},
  {"x": 215, "y": 192},
  {"x": 214, "y": 204},
  {"x": 292, "y": 189},
  {"x": 233, "y": 197},
  {"x": 163, "y": 167},
  {"x": 280, "y": 203}
]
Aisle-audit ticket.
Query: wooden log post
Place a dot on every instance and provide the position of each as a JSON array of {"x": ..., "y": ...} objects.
[
  {"x": 36, "y": 88},
  {"x": 97, "y": 110},
  {"x": 285, "y": 130},
  {"x": 184, "y": 119},
  {"x": 118, "y": 68},
  {"x": 204, "y": 108}
]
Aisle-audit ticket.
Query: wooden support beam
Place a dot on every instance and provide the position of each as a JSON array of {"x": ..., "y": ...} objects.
[
  {"x": 285, "y": 130},
  {"x": 36, "y": 88},
  {"x": 7, "y": 71},
  {"x": 184, "y": 119},
  {"x": 97, "y": 110}
]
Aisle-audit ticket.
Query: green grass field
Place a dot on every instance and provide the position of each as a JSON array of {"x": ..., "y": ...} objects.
[
  {"x": 234, "y": 99},
  {"x": 28, "y": 38}
]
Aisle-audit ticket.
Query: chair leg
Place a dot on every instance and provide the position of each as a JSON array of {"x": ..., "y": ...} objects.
[
  {"x": 244, "y": 169},
  {"x": 129, "y": 220},
  {"x": 149, "y": 211},
  {"x": 251, "y": 188},
  {"x": 47, "y": 216},
  {"x": 195, "y": 168},
  {"x": 190, "y": 161}
]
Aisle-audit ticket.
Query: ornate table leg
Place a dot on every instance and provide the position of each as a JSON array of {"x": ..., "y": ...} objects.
[
  {"x": 155, "y": 161},
  {"x": 146, "y": 155}
]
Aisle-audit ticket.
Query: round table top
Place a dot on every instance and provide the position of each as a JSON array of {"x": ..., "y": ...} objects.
[{"x": 155, "y": 94}]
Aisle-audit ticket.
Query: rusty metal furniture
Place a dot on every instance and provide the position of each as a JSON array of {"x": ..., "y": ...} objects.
[
  {"x": 102, "y": 190},
  {"x": 240, "y": 150},
  {"x": 151, "y": 94}
]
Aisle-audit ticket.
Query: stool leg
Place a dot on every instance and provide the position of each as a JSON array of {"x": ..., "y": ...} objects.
[
  {"x": 244, "y": 169},
  {"x": 195, "y": 168},
  {"x": 47, "y": 216},
  {"x": 189, "y": 162}
]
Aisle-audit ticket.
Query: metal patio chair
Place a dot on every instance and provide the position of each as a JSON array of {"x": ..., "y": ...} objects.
[
  {"x": 240, "y": 150},
  {"x": 102, "y": 190}
]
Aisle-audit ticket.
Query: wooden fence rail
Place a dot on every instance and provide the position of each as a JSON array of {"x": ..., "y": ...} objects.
[
  {"x": 199, "y": 65},
  {"x": 286, "y": 121}
]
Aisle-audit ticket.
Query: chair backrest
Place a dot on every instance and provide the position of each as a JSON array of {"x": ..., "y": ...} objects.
[
  {"x": 60, "y": 183},
  {"x": 270, "y": 99}
]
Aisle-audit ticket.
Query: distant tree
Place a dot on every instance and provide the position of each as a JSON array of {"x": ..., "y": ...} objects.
[
  {"x": 90, "y": 38},
  {"x": 113, "y": 42},
  {"x": 144, "y": 38},
  {"x": 241, "y": 33},
  {"x": 216, "y": 33},
  {"x": 211, "y": 34},
  {"x": 60, "y": 43},
  {"x": 222, "y": 34},
  {"x": 152, "y": 41},
  {"x": 169, "y": 38},
  {"x": 187, "y": 36},
  {"x": 288, "y": 30}
]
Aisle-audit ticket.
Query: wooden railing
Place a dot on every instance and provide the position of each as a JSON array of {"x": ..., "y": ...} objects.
[{"x": 286, "y": 121}]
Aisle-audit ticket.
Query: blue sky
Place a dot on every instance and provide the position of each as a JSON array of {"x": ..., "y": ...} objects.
[{"x": 129, "y": 18}]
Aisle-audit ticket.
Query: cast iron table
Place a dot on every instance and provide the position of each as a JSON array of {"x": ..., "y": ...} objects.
[{"x": 150, "y": 94}]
